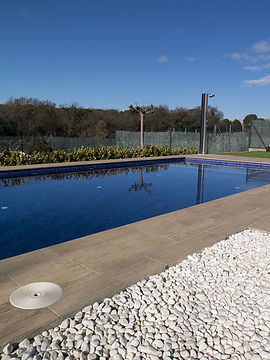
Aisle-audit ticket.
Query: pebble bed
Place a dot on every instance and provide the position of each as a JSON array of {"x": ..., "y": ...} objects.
[{"x": 213, "y": 305}]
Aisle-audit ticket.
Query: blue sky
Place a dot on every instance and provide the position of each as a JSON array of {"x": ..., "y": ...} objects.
[{"x": 109, "y": 54}]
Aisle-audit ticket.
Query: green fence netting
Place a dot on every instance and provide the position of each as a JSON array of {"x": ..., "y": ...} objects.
[{"x": 259, "y": 136}]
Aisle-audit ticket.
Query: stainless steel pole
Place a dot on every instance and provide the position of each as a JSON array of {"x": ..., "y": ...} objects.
[{"x": 203, "y": 123}]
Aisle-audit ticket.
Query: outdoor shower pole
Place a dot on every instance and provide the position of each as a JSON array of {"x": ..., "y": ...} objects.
[{"x": 203, "y": 122}]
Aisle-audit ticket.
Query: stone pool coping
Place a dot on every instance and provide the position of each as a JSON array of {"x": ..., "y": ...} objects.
[
  {"x": 241, "y": 159},
  {"x": 87, "y": 163},
  {"x": 89, "y": 271}
]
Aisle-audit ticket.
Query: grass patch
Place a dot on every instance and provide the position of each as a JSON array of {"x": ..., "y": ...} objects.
[{"x": 254, "y": 154}]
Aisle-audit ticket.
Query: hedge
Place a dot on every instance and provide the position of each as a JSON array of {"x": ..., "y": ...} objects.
[{"x": 11, "y": 158}]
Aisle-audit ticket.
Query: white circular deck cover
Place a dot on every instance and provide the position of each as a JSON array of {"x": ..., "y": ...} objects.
[{"x": 36, "y": 295}]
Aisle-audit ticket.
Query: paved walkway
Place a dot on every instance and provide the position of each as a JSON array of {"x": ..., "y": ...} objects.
[{"x": 100, "y": 265}]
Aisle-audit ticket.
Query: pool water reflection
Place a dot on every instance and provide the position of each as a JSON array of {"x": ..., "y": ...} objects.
[{"x": 40, "y": 211}]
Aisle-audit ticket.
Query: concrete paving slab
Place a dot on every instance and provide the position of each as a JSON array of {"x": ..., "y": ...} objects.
[
  {"x": 60, "y": 273},
  {"x": 7, "y": 287},
  {"x": 184, "y": 244},
  {"x": 14, "y": 321},
  {"x": 119, "y": 275},
  {"x": 26, "y": 261},
  {"x": 158, "y": 226},
  {"x": 262, "y": 224}
]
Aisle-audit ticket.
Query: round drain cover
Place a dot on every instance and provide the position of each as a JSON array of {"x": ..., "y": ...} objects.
[{"x": 36, "y": 295}]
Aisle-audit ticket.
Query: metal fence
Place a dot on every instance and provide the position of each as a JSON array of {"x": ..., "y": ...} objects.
[
  {"x": 223, "y": 142},
  {"x": 56, "y": 142},
  {"x": 259, "y": 134},
  {"x": 227, "y": 142},
  {"x": 215, "y": 143},
  {"x": 171, "y": 138}
]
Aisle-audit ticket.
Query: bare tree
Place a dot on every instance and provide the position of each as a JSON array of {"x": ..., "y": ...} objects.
[{"x": 142, "y": 111}]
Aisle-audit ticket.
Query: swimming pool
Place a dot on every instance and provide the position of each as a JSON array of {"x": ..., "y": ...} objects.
[{"x": 51, "y": 206}]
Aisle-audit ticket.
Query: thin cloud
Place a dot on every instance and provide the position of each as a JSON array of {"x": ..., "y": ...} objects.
[
  {"x": 245, "y": 57},
  {"x": 190, "y": 58},
  {"x": 264, "y": 81},
  {"x": 239, "y": 56},
  {"x": 257, "y": 55},
  {"x": 263, "y": 57},
  {"x": 261, "y": 46},
  {"x": 252, "y": 68},
  {"x": 259, "y": 51},
  {"x": 162, "y": 59}
]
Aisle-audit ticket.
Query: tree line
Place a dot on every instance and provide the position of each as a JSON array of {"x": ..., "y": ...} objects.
[{"x": 31, "y": 117}]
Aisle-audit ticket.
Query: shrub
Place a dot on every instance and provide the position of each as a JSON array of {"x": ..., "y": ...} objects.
[
  {"x": 39, "y": 144},
  {"x": 11, "y": 158}
]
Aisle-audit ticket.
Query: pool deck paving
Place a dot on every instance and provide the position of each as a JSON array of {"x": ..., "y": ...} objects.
[{"x": 100, "y": 265}]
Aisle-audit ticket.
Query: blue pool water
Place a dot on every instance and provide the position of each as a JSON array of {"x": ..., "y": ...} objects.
[{"x": 43, "y": 210}]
